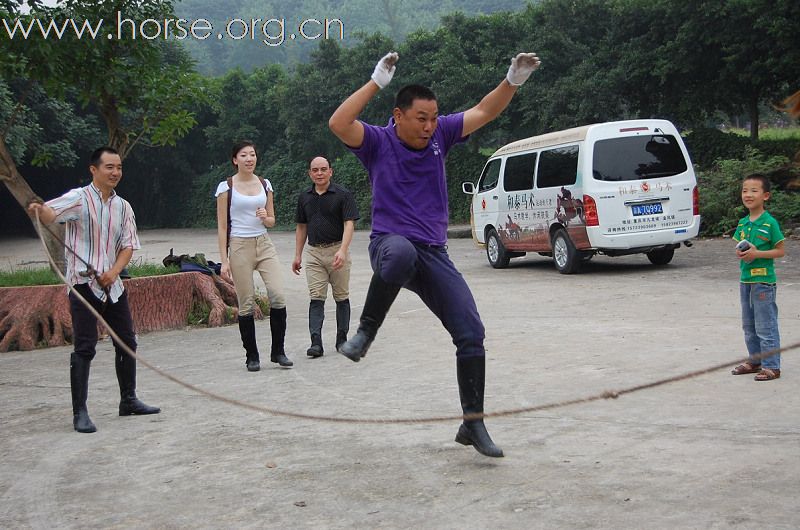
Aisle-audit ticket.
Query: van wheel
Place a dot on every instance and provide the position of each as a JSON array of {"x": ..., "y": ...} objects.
[
  {"x": 661, "y": 255},
  {"x": 565, "y": 256},
  {"x": 495, "y": 251}
]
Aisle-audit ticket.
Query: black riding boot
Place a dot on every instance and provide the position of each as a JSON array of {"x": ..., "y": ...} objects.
[
  {"x": 342, "y": 322},
  {"x": 247, "y": 330},
  {"x": 471, "y": 378},
  {"x": 79, "y": 384},
  {"x": 316, "y": 315},
  {"x": 277, "y": 325},
  {"x": 129, "y": 404},
  {"x": 380, "y": 297}
]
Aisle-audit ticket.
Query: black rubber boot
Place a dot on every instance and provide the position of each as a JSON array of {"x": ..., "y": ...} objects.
[
  {"x": 316, "y": 316},
  {"x": 129, "y": 404},
  {"x": 316, "y": 349},
  {"x": 342, "y": 321},
  {"x": 471, "y": 379},
  {"x": 277, "y": 325},
  {"x": 79, "y": 385},
  {"x": 380, "y": 297},
  {"x": 247, "y": 330}
]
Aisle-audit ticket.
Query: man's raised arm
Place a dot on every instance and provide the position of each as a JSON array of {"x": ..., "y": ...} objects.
[
  {"x": 493, "y": 103},
  {"x": 344, "y": 121}
]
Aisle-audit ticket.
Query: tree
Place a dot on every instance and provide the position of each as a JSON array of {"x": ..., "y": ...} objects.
[
  {"x": 140, "y": 87},
  {"x": 761, "y": 58}
]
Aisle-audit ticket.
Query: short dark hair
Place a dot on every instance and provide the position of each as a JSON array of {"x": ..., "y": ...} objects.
[
  {"x": 766, "y": 185},
  {"x": 405, "y": 98},
  {"x": 239, "y": 145},
  {"x": 97, "y": 154}
]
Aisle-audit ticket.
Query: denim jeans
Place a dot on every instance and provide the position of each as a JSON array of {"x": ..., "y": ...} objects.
[{"x": 760, "y": 322}]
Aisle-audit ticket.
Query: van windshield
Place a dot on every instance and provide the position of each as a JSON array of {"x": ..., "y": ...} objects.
[{"x": 637, "y": 158}]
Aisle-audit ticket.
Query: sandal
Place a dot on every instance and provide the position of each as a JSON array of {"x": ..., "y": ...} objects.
[
  {"x": 767, "y": 374},
  {"x": 746, "y": 368}
]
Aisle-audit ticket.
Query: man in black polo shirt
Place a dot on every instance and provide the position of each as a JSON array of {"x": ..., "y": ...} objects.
[{"x": 326, "y": 215}]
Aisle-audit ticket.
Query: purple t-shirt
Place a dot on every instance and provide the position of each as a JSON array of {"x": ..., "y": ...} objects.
[{"x": 409, "y": 187}]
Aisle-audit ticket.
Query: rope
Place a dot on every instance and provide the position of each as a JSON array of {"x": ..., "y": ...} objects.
[{"x": 610, "y": 394}]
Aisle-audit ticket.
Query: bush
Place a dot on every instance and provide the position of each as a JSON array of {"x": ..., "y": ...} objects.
[
  {"x": 463, "y": 165},
  {"x": 706, "y": 146},
  {"x": 709, "y": 145},
  {"x": 720, "y": 193}
]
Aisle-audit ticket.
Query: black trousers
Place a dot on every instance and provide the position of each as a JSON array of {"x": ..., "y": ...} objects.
[{"x": 84, "y": 332}]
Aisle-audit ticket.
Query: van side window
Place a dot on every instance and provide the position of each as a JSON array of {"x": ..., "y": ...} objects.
[
  {"x": 638, "y": 158},
  {"x": 491, "y": 174},
  {"x": 518, "y": 174},
  {"x": 558, "y": 167}
]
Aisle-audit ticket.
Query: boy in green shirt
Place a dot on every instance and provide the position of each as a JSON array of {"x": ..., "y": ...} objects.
[{"x": 760, "y": 241}]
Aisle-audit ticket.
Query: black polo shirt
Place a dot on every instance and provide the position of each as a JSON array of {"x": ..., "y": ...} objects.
[{"x": 325, "y": 214}]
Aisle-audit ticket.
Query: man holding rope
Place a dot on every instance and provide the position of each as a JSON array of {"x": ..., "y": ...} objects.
[
  {"x": 406, "y": 165},
  {"x": 100, "y": 240}
]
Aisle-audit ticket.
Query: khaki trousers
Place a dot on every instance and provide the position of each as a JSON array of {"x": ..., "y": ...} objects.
[
  {"x": 320, "y": 273},
  {"x": 255, "y": 254}
]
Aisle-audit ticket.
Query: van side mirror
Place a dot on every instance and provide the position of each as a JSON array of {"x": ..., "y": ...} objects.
[{"x": 468, "y": 188}]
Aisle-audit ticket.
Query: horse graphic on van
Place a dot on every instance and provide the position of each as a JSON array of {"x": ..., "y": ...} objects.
[
  {"x": 568, "y": 208},
  {"x": 513, "y": 230}
]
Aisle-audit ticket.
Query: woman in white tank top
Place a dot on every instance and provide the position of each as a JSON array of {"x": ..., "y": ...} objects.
[{"x": 244, "y": 212}]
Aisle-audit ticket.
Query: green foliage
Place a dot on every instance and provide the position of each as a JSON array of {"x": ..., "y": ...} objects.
[
  {"x": 202, "y": 211},
  {"x": 138, "y": 86},
  {"x": 720, "y": 193},
  {"x": 41, "y": 130},
  {"x": 348, "y": 172},
  {"x": 709, "y": 145},
  {"x": 462, "y": 166}
]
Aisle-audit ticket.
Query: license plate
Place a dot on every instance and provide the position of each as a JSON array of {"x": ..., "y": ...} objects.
[{"x": 652, "y": 208}]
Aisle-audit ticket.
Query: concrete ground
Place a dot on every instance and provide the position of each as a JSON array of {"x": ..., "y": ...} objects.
[{"x": 716, "y": 451}]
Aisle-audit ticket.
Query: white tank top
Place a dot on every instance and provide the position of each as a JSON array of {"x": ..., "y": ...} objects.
[{"x": 244, "y": 222}]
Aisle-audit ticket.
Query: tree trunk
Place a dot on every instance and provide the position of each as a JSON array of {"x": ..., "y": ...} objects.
[
  {"x": 752, "y": 110},
  {"x": 117, "y": 136},
  {"x": 23, "y": 193}
]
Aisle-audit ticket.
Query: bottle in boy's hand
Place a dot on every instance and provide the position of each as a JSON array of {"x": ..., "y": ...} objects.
[{"x": 743, "y": 245}]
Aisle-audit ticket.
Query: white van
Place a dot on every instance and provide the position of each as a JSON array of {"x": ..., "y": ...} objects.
[{"x": 613, "y": 188}]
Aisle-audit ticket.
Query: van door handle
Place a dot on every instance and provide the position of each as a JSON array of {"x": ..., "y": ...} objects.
[{"x": 494, "y": 197}]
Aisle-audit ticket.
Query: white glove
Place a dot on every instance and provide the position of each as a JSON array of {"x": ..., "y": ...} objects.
[
  {"x": 522, "y": 66},
  {"x": 384, "y": 70}
]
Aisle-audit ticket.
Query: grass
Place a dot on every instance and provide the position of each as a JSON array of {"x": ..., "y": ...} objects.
[{"x": 26, "y": 277}]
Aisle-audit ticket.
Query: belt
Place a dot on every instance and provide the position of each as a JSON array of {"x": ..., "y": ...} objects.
[{"x": 327, "y": 245}]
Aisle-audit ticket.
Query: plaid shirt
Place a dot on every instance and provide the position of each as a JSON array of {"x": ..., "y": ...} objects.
[{"x": 96, "y": 231}]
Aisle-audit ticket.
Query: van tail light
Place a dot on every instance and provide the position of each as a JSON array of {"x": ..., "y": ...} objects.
[
  {"x": 695, "y": 201},
  {"x": 590, "y": 211}
]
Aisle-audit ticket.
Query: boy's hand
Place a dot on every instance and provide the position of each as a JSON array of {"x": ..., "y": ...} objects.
[{"x": 747, "y": 255}]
